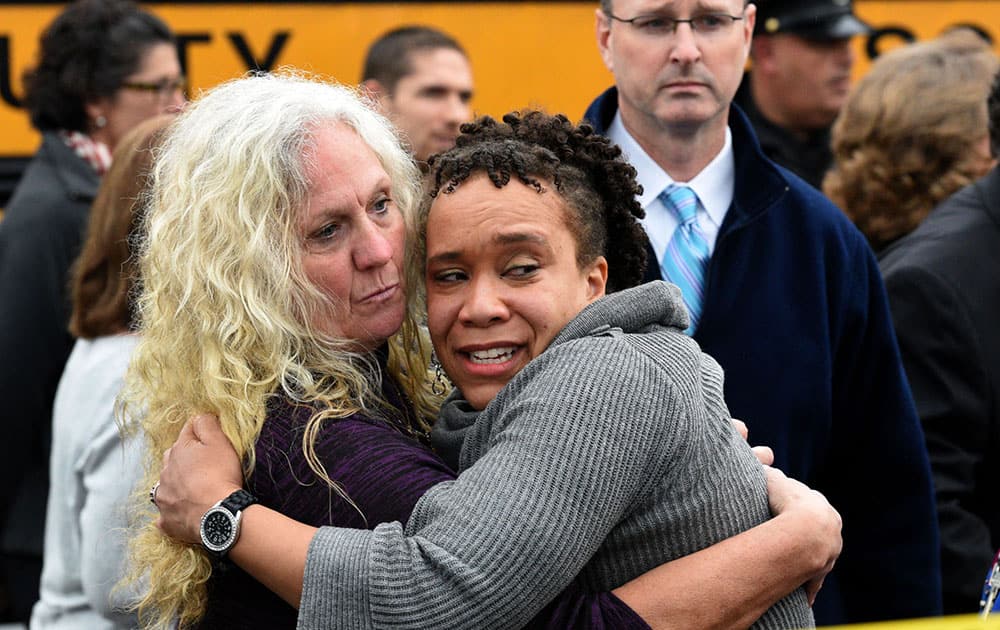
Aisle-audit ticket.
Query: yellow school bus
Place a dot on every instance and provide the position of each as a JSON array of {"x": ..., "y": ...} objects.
[{"x": 522, "y": 53}]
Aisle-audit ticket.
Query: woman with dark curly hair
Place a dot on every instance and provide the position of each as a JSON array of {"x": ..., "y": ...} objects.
[
  {"x": 591, "y": 433},
  {"x": 913, "y": 131},
  {"x": 103, "y": 66}
]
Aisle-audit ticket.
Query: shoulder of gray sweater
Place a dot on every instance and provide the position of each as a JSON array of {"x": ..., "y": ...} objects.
[
  {"x": 602, "y": 389},
  {"x": 611, "y": 374},
  {"x": 617, "y": 342},
  {"x": 632, "y": 310}
]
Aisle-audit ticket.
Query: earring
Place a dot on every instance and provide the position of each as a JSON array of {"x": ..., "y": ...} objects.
[
  {"x": 100, "y": 122},
  {"x": 440, "y": 384}
]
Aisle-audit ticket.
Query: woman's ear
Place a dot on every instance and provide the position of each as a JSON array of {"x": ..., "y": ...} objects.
[
  {"x": 96, "y": 111},
  {"x": 597, "y": 279}
]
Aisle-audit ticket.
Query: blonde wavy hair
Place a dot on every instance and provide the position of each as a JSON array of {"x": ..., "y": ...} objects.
[
  {"x": 225, "y": 309},
  {"x": 905, "y": 139}
]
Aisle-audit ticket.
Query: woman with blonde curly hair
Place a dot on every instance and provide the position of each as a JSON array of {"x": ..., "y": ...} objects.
[
  {"x": 913, "y": 131},
  {"x": 276, "y": 298},
  {"x": 342, "y": 232}
]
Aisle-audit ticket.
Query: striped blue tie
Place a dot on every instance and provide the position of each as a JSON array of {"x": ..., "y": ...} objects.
[{"x": 687, "y": 253}]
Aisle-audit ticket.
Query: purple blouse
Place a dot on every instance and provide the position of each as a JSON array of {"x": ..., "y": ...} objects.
[{"x": 384, "y": 471}]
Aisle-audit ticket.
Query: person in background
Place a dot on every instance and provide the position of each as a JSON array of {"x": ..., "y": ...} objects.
[
  {"x": 103, "y": 66},
  {"x": 945, "y": 294},
  {"x": 800, "y": 76},
  {"x": 421, "y": 79},
  {"x": 783, "y": 292},
  {"x": 93, "y": 470},
  {"x": 913, "y": 132}
]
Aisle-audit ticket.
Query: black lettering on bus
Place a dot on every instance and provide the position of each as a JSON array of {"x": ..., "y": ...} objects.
[
  {"x": 269, "y": 59},
  {"x": 6, "y": 90},
  {"x": 876, "y": 41},
  {"x": 183, "y": 41}
]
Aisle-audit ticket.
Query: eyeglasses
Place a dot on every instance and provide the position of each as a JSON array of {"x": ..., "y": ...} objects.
[
  {"x": 707, "y": 24},
  {"x": 163, "y": 89}
]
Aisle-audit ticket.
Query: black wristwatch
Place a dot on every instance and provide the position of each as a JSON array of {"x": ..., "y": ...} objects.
[{"x": 220, "y": 527}]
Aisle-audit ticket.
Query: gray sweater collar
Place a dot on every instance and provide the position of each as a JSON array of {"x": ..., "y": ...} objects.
[
  {"x": 655, "y": 304},
  {"x": 633, "y": 310}
]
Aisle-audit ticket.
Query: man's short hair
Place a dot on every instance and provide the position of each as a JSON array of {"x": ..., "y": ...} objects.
[
  {"x": 389, "y": 57},
  {"x": 994, "y": 113}
]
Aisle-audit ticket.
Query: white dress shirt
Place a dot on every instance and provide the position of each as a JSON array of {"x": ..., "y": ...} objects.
[{"x": 713, "y": 185}]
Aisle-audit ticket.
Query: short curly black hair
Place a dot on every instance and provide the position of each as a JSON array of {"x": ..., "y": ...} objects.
[
  {"x": 86, "y": 53},
  {"x": 586, "y": 169}
]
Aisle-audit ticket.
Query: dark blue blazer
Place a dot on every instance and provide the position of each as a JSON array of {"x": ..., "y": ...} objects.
[{"x": 796, "y": 314}]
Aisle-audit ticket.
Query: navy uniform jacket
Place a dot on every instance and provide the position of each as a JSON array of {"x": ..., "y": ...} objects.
[
  {"x": 796, "y": 314},
  {"x": 944, "y": 291},
  {"x": 809, "y": 157}
]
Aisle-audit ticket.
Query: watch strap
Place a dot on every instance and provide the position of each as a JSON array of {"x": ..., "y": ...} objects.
[{"x": 238, "y": 501}]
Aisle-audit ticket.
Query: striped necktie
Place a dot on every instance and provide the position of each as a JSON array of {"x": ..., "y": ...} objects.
[{"x": 687, "y": 253}]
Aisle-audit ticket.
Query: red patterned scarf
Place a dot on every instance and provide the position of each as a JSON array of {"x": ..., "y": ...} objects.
[{"x": 91, "y": 151}]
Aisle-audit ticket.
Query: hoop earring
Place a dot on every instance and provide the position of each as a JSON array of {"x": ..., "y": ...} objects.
[{"x": 440, "y": 384}]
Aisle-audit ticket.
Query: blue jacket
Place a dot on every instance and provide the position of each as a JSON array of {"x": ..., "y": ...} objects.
[{"x": 796, "y": 314}]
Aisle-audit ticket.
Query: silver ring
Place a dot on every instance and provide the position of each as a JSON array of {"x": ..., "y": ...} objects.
[{"x": 152, "y": 492}]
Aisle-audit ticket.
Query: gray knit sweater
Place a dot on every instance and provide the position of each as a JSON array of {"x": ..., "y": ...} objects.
[{"x": 609, "y": 454}]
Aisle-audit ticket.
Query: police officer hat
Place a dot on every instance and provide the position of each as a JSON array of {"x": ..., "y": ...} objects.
[{"x": 813, "y": 19}]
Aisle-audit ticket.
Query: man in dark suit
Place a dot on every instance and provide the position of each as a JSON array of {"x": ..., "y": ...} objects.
[{"x": 943, "y": 282}]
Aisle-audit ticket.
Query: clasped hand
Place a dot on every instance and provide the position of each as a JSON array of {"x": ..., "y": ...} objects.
[{"x": 199, "y": 470}]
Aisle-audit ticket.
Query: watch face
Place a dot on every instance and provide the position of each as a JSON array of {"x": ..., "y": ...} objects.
[{"x": 217, "y": 529}]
